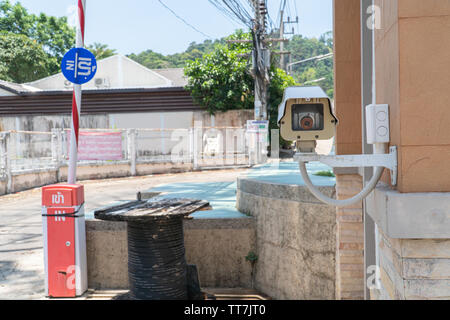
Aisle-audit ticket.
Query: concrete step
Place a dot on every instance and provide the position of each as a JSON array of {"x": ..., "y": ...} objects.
[{"x": 210, "y": 294}]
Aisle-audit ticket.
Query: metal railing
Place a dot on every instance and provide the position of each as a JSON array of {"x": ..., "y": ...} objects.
[{"x": 23, "y": 152}]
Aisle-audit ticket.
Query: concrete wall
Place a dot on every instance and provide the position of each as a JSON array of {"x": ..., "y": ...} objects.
[
  {"x": 45, "y": 123},
  {"x": 217, "y": 246},
  {"x": 295, "y": 240},
  {"x": 143, "y": 169},
  {"x": 107, "y": 254},
  {"x": 151, "y": 120},
  {"x": 231, "y": 118},
  {"x": 32, "y": 179},
  {"x": 2, "y": 186},
  {"x": 148, "y": 143},
  {"x": 101, "y": 171},
  {"x": 155, "y": 142}
]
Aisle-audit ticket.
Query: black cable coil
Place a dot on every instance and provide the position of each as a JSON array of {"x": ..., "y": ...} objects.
[{"x": 156, "y": 259}]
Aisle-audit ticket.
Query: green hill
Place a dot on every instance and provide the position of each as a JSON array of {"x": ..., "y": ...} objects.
[{"x": 301, "y": 48}]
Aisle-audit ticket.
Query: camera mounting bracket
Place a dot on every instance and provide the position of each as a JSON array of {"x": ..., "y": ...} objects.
[{"x": 388, "y": 161}]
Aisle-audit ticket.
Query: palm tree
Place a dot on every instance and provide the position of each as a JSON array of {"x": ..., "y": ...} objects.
[{"x": 101, "y": 51}]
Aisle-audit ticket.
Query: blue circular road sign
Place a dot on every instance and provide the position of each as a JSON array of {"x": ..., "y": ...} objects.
[{"x": 79, "y": 65}]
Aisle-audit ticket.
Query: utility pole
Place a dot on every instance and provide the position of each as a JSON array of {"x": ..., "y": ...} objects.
[
  {"x": 261, "y": 56},
  {"x": 282, "y": 57},
  {"x": 282, "y": 34},
  {"x": 261, "y": 59}
]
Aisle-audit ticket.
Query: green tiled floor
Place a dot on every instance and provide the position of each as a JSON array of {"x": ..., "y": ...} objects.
[{"x": 222, "y": 195}]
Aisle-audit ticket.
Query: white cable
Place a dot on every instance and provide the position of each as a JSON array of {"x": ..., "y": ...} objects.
[
  {"x": 379, "y": 148},
  {"x": 378, "y": 171}
]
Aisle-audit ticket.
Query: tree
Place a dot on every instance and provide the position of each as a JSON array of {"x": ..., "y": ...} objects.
[
  {"x": 22, "y": 59},
  {"x": 54, "y": 34},
  {"x": 301, "y": 48},
  {"x": 221, "y": 80},
  {"x": 101, "y": 51},
  {"x": 153, "y": 60},
  {"x": 279, "y": 81},
  {"x": 304, "y": 48}
]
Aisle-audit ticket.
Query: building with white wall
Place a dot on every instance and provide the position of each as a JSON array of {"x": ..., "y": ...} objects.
[{"x": 115, "y": 72}]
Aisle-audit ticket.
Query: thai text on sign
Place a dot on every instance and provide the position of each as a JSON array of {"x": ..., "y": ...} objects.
[{"x": 100, "y": 146}]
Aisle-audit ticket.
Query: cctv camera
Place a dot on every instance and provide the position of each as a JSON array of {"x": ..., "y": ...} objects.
[{"x": 305, "y": 115}]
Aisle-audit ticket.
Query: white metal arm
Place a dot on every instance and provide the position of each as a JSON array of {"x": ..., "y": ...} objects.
[
  {"x": 346, "y": 202},
  {"x": 378, "y": 160}
]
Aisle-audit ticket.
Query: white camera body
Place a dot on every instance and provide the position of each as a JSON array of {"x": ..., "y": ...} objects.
[{"x": 305, "y": 114}]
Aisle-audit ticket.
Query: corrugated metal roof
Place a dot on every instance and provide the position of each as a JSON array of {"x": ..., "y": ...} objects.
[
  {"x": 16, "y": 88},
  {"x": 99, "y": 101}
]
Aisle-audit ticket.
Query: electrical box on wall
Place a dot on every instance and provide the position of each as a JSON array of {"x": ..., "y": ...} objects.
[{"x": 377, "y": 123}]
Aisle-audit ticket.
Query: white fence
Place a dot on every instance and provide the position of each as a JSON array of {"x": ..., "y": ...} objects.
[{"x": 203, "y": 147}]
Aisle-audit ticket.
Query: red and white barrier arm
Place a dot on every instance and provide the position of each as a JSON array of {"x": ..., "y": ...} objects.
[{"x": 76, "y": 100}]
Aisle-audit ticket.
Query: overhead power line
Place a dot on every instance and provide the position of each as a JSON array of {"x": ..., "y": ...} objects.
[
  {"x": 255, "y": 15},
  {"x": 184, "y": 21},
  {"x": 235, "y": 9}
]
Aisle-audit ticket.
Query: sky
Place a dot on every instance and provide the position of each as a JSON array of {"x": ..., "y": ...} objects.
[{"x": 133, "y": 26}]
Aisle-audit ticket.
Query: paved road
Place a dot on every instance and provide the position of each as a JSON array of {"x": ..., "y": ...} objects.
[{"x": 21, "y": 253}]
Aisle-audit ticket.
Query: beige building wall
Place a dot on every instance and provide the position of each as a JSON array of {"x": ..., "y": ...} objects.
[
  {"x": 347, "y": 76},
  {"x": 349, "y": 220},
  {"x": 412, "y": 47},
  {"x": 413, "y": 63},
  {"x": 412, "y": 59}
]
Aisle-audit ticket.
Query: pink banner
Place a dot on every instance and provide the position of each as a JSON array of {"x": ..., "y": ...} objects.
[{"x": 99, "y": 146}]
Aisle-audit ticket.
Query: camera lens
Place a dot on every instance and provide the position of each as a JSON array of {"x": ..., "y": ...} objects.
[{"x": 307, "y": 123}]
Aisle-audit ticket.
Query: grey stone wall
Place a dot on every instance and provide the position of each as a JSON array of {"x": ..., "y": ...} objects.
[
  {"x": 413, "y": 244},
  {"x": 413, "y": 269},
  {"x": 217, "y": 246},
  {"x": 295, "y": 240}
]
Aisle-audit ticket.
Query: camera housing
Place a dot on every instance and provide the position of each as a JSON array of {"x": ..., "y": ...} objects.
[{"x": 305, "y": 114}]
